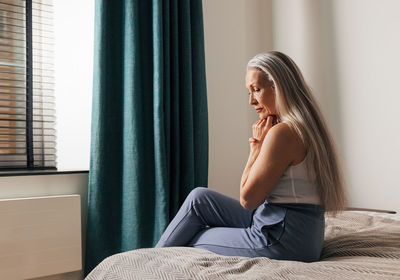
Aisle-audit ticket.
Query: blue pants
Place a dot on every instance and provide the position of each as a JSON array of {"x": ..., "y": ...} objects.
[{"x": 218, "y": 223}]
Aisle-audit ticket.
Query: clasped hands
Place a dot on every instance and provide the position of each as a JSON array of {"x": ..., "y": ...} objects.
[{"x": 261, "y": 128}]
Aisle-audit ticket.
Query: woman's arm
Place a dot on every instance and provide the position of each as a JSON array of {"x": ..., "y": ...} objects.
[
  {"x": 260, "y": 129},
  {"x": 250, "y": 161},
  {"x": 266, "y": 164}
]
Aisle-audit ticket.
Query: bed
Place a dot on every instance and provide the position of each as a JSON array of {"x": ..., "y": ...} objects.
[{"x": 358, "y": 245}]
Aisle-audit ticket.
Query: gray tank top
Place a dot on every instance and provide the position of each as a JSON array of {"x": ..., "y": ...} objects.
[{"x": 295, "y": 186}]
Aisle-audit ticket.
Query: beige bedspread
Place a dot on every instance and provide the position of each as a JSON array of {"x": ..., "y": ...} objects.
[{"x": 357, "y": 246}]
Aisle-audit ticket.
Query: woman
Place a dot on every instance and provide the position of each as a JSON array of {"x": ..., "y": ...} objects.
[{"x": 290, "y": 180}]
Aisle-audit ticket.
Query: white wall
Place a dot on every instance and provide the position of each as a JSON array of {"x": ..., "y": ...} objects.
[
  {"x": 348, "y": 51},
  {"x": 367, "y": 46},
  {"x": 235, "y": 31}
]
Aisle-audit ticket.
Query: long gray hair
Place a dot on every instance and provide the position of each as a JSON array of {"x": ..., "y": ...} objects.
[{"x": 297, "y": 107}]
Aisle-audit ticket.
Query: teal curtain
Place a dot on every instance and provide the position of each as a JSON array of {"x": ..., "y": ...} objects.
[{"x": 149, "y": 145}]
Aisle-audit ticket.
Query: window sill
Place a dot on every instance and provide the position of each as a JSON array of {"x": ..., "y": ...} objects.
[{"x": 8, "y": 173}]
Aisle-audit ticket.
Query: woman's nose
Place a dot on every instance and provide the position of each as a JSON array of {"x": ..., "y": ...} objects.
[{"x": 252, "y": 100}]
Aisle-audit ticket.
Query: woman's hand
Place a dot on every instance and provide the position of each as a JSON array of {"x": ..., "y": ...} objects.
[{"x": 261, "y": 128}]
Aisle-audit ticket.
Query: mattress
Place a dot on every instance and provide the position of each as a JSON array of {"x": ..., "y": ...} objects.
[{"x": 357, "y": 246}]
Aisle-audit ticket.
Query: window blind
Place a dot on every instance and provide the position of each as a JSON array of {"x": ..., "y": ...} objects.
[{"x": 27, "y": 103}]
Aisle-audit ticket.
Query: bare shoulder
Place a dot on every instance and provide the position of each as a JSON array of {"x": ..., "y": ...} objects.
[
  {"x": 283, "y": 132},
  {"x": 285, "y": 139}
]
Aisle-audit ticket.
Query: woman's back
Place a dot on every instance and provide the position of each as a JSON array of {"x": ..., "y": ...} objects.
[{"x": 295, "y": 186}]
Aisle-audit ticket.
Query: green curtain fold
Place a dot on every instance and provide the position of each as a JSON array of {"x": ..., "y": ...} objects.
[{"x": 149, "y": 145}]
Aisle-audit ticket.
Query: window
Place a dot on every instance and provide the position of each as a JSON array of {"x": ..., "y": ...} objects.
[
  {"x": 73, "y": 48},
  {"x": 27, "y": 103}
]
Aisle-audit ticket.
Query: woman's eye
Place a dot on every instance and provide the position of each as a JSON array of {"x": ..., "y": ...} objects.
[{"x": 255, "y": 91}]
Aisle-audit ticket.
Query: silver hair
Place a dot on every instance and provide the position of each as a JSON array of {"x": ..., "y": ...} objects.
[{"x": 297, "y": 107}]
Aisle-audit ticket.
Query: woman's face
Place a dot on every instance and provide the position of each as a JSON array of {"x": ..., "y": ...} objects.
[{"x": 261, "y": 93}]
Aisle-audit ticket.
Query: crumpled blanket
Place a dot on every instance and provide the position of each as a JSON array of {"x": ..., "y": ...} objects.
[{"x": 357, "y": 246}]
